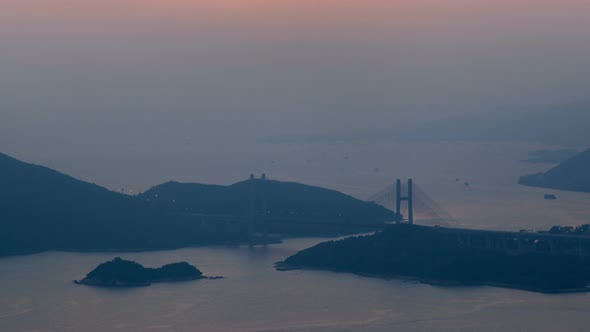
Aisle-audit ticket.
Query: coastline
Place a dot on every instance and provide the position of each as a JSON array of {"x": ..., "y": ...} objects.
[
  {"x": 136, "y": 250},
  {"x": 279, "y": 266},
  {"x": 95, "y": 283}
]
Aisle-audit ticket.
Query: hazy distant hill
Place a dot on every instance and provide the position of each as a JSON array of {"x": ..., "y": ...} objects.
[
  {"x": 290, "y": 208},
  {"x": 550, "y": 156},
  {"x": 572, "y": 174},
  {"x": 42, "y": 209},
  {"x": 563, "y": 125}
]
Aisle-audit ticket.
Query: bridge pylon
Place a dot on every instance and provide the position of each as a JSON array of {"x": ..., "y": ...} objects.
[
  {"x": 257, "y": 220},
  {"x": 409, "y": 198}
]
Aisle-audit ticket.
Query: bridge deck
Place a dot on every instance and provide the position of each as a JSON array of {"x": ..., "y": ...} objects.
[{"x": 515, "y": 235}]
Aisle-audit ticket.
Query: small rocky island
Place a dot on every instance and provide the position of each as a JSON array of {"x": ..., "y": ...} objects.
[{"x": 124, "y": 273}]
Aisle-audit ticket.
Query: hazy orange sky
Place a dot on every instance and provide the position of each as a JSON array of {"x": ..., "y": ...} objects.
[
  {"x": 261, "y": 68},
  {"x": 295, "y": 13},
  {"x": 418, "y": 53}
]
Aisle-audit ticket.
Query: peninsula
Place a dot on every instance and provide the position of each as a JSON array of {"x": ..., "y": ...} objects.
[
  {"x": 571, "y": 175},
  {"x": 435, "y": 255}
]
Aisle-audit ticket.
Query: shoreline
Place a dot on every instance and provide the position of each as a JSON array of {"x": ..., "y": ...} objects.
[
  {"x": 93, "y": 283},
  {"x": 434, "y": 282},
  {"x": 125, "y": 251}
]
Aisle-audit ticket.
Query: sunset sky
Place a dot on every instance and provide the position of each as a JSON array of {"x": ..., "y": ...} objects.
[
  {"x": 235, "y": 70},
  {"x": 462, "y": 56}
]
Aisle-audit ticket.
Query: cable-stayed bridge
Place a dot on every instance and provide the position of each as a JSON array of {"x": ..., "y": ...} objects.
[
  {"x": 429, "y": 213},
  {"x": 420, "y": 210},
  {"x": 424, "y": 209}
]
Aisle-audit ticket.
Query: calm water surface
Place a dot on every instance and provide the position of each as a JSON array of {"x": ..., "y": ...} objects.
[{"x": 36, "y": 294}]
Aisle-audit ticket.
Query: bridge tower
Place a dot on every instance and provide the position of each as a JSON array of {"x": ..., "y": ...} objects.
[
  {"x": 409, "y": 198},
  {"x": 252, "y": 211},
  {"x": 257, "y": 220}
]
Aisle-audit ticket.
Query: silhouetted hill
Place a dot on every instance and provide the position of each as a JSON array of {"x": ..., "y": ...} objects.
[
  {"x": 42, "y": 209},
  {"x": 290, "y": 208},
  {"x": 123, "y": 273},
  {"x": 429, "y": 255},
  {"x": 572, "y": 174}
]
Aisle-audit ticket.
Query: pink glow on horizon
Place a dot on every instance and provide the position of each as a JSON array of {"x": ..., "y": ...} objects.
[
  {"x": 281, "y": 10},
  {"x": 342, "y": 19}
]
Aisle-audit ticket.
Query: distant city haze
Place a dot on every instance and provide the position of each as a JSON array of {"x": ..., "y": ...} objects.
[{"x": 130, "y": 93}]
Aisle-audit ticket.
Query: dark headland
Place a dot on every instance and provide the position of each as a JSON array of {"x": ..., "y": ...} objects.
[
  {"x": 123, "y": 273},
  {"x": 429, "y": 255},
  {"x": 571, "y": 175}
]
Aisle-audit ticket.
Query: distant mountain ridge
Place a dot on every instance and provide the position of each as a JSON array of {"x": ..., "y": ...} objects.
[
  {"x": 572, "y": 175},
  {"x": 42, "y": 209},
  {"x": 565, "y": 125},
  {"x": 274, "y": 201}
]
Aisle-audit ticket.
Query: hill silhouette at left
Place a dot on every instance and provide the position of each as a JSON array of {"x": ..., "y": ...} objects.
[{"x": 42, "y": 209}]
